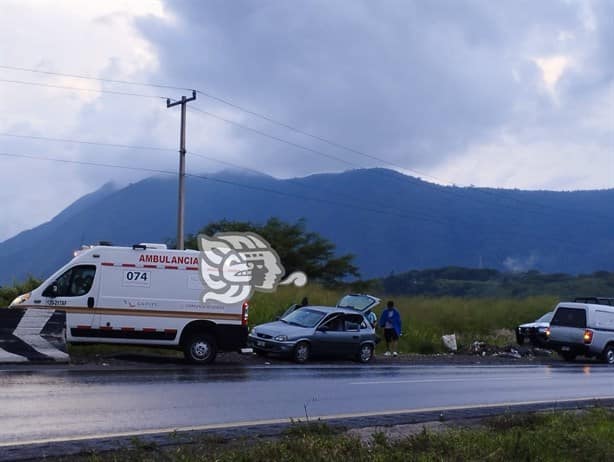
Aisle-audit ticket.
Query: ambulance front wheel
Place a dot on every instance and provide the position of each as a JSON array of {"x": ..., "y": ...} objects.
[{"x": 200, "y": 349}]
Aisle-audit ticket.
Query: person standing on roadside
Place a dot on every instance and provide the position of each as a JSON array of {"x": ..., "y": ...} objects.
[{"x": 391, "y": 322}]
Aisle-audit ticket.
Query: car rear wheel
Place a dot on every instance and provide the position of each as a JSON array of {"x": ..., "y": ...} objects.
[
  {"x": 301, "y": 352},
  {"x": 568, "y": 356},
  {"x": 366, "y": 353},
  {"x": 200, "y": 349},
  {"x": 608, "y": 355}
]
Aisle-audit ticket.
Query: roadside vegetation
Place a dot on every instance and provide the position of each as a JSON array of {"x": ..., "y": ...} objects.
[{"x": 563, "y": 436}]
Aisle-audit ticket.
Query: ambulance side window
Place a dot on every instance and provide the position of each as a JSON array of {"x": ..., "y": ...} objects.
[{"x": 74, "y": 282}]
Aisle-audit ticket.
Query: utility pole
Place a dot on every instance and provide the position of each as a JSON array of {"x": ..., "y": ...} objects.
[{"x": 181, "y": 205}]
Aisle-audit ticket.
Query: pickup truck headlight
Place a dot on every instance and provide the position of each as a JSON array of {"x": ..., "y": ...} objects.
[{"x": 280, "y": 338}]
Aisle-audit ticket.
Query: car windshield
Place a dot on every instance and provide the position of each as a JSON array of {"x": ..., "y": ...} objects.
[
  {"x": 305, "y": 317},
  {"x": 356, "y": 302},
  {"x": 546, "y": 318}
]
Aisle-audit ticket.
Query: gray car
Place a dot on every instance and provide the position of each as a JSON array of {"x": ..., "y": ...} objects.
[{"x": 318, "y": 331}]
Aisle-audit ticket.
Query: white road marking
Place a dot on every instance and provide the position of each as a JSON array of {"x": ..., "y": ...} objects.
[
  {"x": 468, "y": 379},
  {"x": 218, "y": 426}
]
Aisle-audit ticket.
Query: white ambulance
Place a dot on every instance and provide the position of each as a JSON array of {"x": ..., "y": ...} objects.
[{"x": 141, "y": 295}]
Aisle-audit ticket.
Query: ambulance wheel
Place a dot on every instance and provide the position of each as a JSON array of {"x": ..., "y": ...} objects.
[{"x": 200, "y": 349}]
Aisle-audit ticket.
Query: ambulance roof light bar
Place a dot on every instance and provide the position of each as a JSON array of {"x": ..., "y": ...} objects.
[{"x": 149, "y": 245}]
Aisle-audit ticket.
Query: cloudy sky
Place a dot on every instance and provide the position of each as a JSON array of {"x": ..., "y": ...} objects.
[{"x": 514, "y": 94}]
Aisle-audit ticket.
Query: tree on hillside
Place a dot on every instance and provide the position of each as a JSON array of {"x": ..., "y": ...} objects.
[{"x": 299, "y": 249}]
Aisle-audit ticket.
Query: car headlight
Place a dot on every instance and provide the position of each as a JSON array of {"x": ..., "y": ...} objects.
[
  {"x": 20, "y": 299},
  {"x": 280, "y": 338},
  {"x": 542, "y": 329},
  {"x": 253, "y": 331}
]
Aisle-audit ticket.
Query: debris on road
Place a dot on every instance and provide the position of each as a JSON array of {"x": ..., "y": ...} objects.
[{"x": 509, "y": 351}]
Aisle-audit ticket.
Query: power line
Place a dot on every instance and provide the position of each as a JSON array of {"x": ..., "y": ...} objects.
[
  {"x": 272, "y": 137},
  {"x": 483, "y": 191},
  {"x": 219, "y": 99},
  {"x": 99, "y": 79},
  {"x": 231, "y": 104},
  {"x": 87, "y": 142},
  {"x": 91, "y": 90}
]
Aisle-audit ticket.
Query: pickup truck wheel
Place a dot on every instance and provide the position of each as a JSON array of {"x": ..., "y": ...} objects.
[
  {"x": 608, "y": 355},
  {"x": 366, "y": 353},
  {"x": 200, "y": 348},
  {"x": 568, "y": 356},
  {"x": 301, "y": 352}
]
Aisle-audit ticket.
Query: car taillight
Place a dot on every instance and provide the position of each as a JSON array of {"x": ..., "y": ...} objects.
[
  {"x": 245, "y": 313},
  {"x": 588, "y": 336}
]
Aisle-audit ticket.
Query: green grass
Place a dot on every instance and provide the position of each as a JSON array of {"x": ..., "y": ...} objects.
[
  {"x": 425, "y": 319},
  {"x": 569, "y": 436}
]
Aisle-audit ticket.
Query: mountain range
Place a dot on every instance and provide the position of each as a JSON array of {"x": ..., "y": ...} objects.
[{"x": 390, "y": 221}]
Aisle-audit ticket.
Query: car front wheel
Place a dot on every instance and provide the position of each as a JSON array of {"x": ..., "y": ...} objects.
[
  {"x": 366, "y": 353},
  {"x": 301, "y": 352}
]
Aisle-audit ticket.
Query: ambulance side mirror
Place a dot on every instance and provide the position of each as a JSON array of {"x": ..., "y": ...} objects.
[{"x": 51, "y": 291}]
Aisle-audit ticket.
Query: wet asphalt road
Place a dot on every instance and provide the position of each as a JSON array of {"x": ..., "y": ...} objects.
[{"x": 63, "y": 402}]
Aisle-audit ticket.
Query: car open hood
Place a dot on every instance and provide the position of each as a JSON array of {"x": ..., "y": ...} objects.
[
  {"x": 358, "y": 302},
  {"x": 281, "y": 328}
]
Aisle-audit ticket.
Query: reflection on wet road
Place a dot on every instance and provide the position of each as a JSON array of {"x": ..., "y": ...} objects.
[{"x": 63, "y": 402}]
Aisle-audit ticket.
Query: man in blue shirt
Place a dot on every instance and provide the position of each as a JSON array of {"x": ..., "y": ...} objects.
[{"x": 391, "y": 322}]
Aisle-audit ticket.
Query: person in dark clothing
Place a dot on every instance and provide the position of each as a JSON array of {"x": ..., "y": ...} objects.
[{"x": 390, "y": 321}]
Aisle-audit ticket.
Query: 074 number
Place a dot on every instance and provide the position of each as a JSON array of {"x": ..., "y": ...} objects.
[{"x": 136, "y": 276}]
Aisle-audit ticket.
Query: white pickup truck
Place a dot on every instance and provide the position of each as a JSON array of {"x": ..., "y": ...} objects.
[{"x": 585, "y": 329}]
